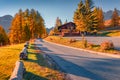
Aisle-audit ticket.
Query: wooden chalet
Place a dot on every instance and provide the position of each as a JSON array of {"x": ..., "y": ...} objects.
[{"x": 68, "y": 29}]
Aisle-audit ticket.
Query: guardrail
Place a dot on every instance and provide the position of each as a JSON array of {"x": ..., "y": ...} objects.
[
  {"x": 24, "y": 52},
  {"x": 18, "y": 71},
  {"x": 26, "y": 44}
]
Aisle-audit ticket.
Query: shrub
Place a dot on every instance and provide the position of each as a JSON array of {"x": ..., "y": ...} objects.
[
  {"x": 90, "y": 45},
  {"x": 106, "y": 45}
]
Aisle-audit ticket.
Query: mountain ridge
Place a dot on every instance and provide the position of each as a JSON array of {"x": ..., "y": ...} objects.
[
  {"x": 5, "y": 22},
  {"x": 108, "y": 14}
]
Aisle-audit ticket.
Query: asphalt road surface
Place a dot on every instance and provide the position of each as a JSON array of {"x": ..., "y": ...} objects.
[
  {"x": 81, "y": 65},
  {"x": 99, "y": 40}
]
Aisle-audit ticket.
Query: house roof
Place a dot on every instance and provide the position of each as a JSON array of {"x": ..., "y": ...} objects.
[{"x": 65, "y": 26}]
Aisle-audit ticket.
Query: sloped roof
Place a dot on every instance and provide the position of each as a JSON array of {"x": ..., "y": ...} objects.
[{"x": 65, "y": 26}]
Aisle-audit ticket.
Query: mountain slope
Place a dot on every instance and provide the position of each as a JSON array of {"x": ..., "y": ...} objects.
[
  {"x": 5, "y": 22},
  {"x": 49, "y": 29},
  {"x": 108, "y": 14}
]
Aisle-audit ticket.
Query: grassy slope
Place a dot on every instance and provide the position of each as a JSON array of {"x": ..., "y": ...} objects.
[
  {"x": 78, "y": 44},
  {"x": 38, "y": 69},
  {"x": 8, "y": 57},
  {"x": 36, "y": 66},
  {"x": 110, "y": 33}
]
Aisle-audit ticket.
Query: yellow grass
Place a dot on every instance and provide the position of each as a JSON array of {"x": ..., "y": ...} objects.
[
  {"x": 8, "y": 56},
  {"x": 110, "y": 33},
  {"x": 114, "y": 33},
  {"x": 78, "y": 44},
  {"x": 36, "y": 66},
  {"x": 38, "y": 69}
]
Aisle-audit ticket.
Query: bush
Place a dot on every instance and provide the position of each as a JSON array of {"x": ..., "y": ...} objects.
[
  {"x": 90, "y": 45},
  {"x": 106, "y": 45}
]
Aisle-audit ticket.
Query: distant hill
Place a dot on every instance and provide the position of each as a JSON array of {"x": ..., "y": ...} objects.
[
  {"x": 108, "y": 14},
  {"x": 49, "y": 29},
  {"x": 5, "y": 21}
]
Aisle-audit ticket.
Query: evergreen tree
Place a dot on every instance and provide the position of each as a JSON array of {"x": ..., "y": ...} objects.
[
  {"x": 85, "y": 16},
  {"x": 100, "y": 19},
  {"x": 115, "y": 18},
  {"x": 79, "y": 19},
  {"x": 57, "y": 24}
]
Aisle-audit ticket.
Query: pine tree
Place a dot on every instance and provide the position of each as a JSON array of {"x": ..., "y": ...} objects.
[
  {"x": 100, "y": 19},
  {"x": 115, "y": 18},
  {"x": 79, "y": 19},
  {"x": 85, "y": 16},
  {"x": 57, "y": 24}
]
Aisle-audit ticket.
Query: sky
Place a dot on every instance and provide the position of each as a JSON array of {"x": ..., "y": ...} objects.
[{"x": 51, "y": 9}]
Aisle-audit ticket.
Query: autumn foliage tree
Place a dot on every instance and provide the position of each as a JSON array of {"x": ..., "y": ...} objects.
[
  {"x": 57, "y": 24},
  {"x": 85, "y": 16},
  {"x": 100, "y": 16},
  {"x": 115, "y": 18},
  {"x": 3, "y": 37},
  {"x": 26, "y": 25}
]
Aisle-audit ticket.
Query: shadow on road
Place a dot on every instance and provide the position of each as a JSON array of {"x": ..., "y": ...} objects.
[
  {"x": 32, "y": 76},
  {"x": 69, "y": 67},
  {"x": 103, "y": 65},
  {"x": 37, "y": 63}
]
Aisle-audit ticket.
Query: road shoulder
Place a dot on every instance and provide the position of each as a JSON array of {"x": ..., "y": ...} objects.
[{"x": 90, "y": 51}]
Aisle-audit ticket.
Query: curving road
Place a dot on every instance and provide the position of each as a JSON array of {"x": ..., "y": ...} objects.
[
  {"x": 81, "y": 65},
  {"x": 99, "y": 40}
]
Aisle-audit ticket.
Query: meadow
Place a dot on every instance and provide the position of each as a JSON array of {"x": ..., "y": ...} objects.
[{"x": 36, "y": 66}]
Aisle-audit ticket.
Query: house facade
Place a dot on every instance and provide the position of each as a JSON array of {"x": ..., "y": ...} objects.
[{"x": 68, "y": 29}]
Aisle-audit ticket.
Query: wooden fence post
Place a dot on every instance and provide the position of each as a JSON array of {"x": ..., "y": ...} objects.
[{"x": 18, "y": 71}]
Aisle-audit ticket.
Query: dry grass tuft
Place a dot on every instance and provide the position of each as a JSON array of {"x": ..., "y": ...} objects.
[{"x": 107, "y": 45}]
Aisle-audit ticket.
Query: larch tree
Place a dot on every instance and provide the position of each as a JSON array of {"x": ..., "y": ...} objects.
[
  {"x": 100, "y": 18},
  {"x": 15, "y": 34},
  {"x": 26, "y": 25},
  {"x": 57, "y": 24},
  {"x": 115, "y": 18},
  {"x": 3, "y": 37},
  {"x": 85, "y": 16},
  {"x": 79, "y": 19}
]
